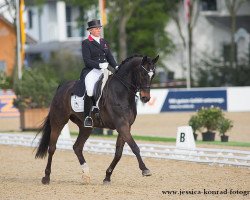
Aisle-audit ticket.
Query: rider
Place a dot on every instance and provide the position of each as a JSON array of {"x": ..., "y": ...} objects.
[{"x": 96, "y": 56}]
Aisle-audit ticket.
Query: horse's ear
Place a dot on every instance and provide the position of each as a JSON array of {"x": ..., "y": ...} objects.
[
  {"x": 155, "y": 59},
  {"x": 144, "y": 60}
]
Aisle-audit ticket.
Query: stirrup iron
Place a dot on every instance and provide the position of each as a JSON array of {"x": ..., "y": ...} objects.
[{"x": 88, "y": 122}]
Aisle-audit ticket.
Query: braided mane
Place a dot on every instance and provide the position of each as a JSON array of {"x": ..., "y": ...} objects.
[{"x": 129, "y": 58}]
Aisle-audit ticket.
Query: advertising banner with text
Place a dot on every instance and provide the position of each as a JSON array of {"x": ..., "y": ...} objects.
[{"x": 6, "y": 104}]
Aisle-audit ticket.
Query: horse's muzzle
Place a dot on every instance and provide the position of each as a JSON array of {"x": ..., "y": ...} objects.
[{"x": 144, "y": 96}]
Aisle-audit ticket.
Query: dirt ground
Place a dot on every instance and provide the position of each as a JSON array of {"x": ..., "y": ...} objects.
[{"x": 20, "y": 178}]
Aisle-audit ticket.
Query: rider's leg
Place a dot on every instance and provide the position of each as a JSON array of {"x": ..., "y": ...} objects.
[
  {"x": 90, "y": 80},
  {"x": 88, "y": 122}
]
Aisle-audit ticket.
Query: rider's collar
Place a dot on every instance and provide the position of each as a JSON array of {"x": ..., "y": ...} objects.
[{"x": 97, "y": 39}]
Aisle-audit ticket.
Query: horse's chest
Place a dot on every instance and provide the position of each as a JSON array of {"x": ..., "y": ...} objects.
[{"x": 114, "y": 114}]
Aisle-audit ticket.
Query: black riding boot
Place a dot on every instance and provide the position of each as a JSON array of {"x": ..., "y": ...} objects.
[{"x": 88, "y": 103}]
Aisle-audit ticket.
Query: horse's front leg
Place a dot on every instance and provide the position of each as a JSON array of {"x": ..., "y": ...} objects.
[
  {"x": 135, "y": 149},
  {"x": 118, "y": 154},
  {"x": 78, "y": 148},
  {"x": 127, "y": 137}
]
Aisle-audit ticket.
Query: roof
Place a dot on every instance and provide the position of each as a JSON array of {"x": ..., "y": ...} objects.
[
  {"x": 241, "y": 21},
  {"x": 48, "y": 47},
  {"x": 30, "y": 40},
  {"x": 6, "y": 21}
]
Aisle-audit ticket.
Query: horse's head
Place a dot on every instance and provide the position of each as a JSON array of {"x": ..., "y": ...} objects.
[{"x": 146, "y": 73}]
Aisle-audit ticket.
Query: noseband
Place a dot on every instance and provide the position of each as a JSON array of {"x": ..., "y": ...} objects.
[{"x": 150, "y": 73}]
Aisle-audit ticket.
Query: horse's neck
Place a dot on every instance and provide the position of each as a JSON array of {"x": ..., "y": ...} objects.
[{"x": 120, "y": 87}]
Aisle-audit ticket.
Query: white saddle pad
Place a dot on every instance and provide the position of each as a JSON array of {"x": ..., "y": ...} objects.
[{"x": 77, "y": 103}]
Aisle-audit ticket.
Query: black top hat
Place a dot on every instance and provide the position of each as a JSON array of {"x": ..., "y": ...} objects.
[{"x": 94, "y": 24}]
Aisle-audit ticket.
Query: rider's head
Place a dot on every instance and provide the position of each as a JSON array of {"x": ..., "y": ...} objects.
[{"x": 94, "y": 27}]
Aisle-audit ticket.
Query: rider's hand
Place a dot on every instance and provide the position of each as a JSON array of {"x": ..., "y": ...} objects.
[
  {"x": 103, "y": 65},
  {"x": 111, "y": 69}
]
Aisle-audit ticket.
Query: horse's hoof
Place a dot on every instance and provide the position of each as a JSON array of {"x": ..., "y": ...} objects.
[
  {"x": 86, "y": 179},
  {"x": 45, "y": 180},
  {"x": 106, "y": 182},
  {"x": 146, "y": 172}
]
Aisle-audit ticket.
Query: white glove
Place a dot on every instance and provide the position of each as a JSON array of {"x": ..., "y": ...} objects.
[{"x": 103, "y": 65}]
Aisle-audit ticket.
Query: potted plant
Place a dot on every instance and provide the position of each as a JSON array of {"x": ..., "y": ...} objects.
[
  {"x": 33, "y": 96},
  {"x": 209, "y": 119},
  {"x": 195, "y": 123},
  {"x": 224, "y": 126}
]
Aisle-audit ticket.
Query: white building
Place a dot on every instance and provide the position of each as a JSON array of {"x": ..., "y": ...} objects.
[
  {"x": 6, "y": 11},
  {"x": 211, "y": 34},
  {"x": 55, "y": 26},
  {"x": 54, "y": 21}
]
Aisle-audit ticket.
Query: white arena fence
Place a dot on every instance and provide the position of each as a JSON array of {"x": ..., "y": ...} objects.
[{"x": 200, "y": 155}]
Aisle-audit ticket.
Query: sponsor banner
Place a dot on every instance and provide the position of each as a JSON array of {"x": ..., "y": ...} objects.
[
  {"x": 155, "y": 104},
  {"x": 238, "y": 99},
  {"x": 192, "y": 100},
  {"x": 6, "y": 104}
]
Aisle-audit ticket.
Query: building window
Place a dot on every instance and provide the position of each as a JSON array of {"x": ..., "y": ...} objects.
[
  {"x": 227, "y": 53},
  {"x": 30, "y": 20},
  {"x": 73, "y": 15},
  {"x": 208, "y": 5},
  {"x": 2, "y": 66},
  {"x": 68, "y": 21}
]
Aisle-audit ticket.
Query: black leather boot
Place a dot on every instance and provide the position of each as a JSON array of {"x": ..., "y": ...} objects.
[{"x": 88, "y": 103}]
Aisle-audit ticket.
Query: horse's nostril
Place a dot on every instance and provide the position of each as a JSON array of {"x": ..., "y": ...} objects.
[{"x": 144, "y": 99}]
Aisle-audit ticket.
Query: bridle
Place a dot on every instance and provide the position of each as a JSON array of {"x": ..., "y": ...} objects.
[
  {"x": 135, "y": 88},
  {"x": 150, "y": 73}
]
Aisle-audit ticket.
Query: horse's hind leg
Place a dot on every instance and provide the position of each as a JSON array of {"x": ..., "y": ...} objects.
[
  {"x": 55, "y": 132},
  {"x": 118, "y": 154},
  {"x": 78, "y": 148}
]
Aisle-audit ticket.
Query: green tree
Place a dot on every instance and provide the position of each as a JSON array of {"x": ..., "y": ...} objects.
[
  {"x": 36, "y": 88},
  {"x": 65, "y": 65},
  {"x": 5, "y": 81},
  {"x": 120, "y": 12},
  {"x": 146, "y": 30},
  {"x": 138, "y": 28}
]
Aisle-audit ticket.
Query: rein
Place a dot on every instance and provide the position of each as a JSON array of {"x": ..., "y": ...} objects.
[{"x": 125, "y": 83}]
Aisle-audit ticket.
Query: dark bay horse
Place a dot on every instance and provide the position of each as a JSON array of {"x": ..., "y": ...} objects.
[{"x": 117, "y": 111}]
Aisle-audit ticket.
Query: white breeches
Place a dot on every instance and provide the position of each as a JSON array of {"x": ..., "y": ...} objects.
[{"x": 90, "y": 80}]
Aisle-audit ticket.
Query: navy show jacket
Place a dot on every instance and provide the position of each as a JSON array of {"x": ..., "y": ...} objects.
[{"x": 94, "y": 53}]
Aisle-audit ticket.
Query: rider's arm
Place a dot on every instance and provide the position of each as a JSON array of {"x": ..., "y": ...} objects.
[{"x": 110, "y": 57}]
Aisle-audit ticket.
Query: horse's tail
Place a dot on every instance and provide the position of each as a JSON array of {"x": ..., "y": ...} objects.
[{"x": 44, "y": 141}]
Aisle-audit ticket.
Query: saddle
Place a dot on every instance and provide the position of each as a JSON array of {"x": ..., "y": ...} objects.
[
  {"x": 77, "y": 102},
  {"x": 79, "y": 91}
]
